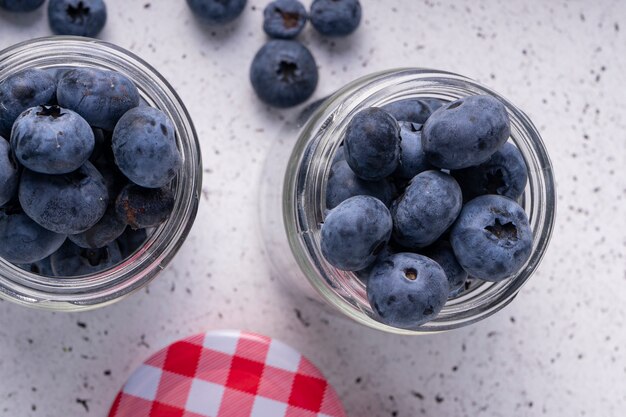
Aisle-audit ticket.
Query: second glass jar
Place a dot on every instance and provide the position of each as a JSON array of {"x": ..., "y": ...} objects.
[{"x": 294, "y": 189}]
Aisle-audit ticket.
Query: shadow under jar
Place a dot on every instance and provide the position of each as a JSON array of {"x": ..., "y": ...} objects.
[
  {"x": 103, "y": 288},
  {"x": 294, "y": 189}
]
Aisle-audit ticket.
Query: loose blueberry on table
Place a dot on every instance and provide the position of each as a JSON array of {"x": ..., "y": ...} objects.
[
  {"x": 217, "y": 12},
  {"x": 284, "y": 19},
  {"x": 21, "y": 6},
  {"x": 284, "y": 73},
  {"x": 335, "y": 17},
  {"x": 85, "y": 173},
  {"x": 77, "y": 17},
  {"x": 452, "y": 180}
]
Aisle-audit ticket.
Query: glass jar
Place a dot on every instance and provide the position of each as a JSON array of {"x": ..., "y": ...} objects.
[
  {"x": 294, "y": 190},
  {"x": 97, "y": 290}
]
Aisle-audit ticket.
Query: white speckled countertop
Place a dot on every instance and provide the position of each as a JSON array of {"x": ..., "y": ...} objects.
[{"x": 559, "y": 349}]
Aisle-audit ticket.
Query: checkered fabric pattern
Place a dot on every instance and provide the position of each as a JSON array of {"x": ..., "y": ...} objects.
[{"x": 227, "y": 374}]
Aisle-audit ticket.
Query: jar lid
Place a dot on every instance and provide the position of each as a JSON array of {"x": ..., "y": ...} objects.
[{"x": 227, "y": 374}]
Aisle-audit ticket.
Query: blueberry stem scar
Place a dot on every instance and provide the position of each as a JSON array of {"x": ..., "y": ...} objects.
[{"x": 506, "y": 230}]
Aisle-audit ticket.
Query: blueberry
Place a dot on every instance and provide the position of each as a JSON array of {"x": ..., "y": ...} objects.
[
  {"x": 144, "y": 207},
  {"x": 21, "y": 91},
  {"x": 77, "y": 17},
  {"x": 131, "y": 240},
  {"x": 283, "y": 73},
  {"x": 72, "y": 260},
  {"x": 109, "y": 228},
  {"x": 52, "y": 140},
  {"x": 505, "y": 174},
  {"x": 412, "y": 109},
  {"x": 335, "y": 17},
  {"x": 69, "y": 203},
  {"x": 284, "y": 19},
  {"x": 100, "y": 96},
  {"x": 343, "y": 184},
  {"x": 428, "y": 207},
  {"x": 407, "y": 290},
  {"x": 372, "y": 144},
  {"x": 217, "y": 12},
  {"x": 355, "y": 232},
  {"x": 492, "y": 238},
  {"x": 43, "y": 267},
  {"x": 465, "y": 132},
  {"x": 23, "y": 241},
  {"x": 442, "y": 253},
  {"x": 9, "y": 173},
  {"x": 412, "y": 157},
  {"x": 20, "y": 6},
  {"x": 144, "y": 145}
]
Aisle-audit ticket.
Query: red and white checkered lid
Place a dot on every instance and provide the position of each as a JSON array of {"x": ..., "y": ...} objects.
[{"x": 227, "y": 374}]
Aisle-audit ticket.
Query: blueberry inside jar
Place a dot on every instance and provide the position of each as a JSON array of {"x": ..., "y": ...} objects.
[
  {"x": 467, "y": 217},
  {"x": 100, "y": 173}
]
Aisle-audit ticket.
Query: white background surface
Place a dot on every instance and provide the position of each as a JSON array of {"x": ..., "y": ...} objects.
[{"x": 559, "y": 349}]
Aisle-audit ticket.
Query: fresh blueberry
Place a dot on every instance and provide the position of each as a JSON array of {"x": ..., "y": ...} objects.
[
  {"x": 144, "y": 145},
  {"x": 335, "y": 17},
  {"x": 9, "y": 173},
  {"x": 412, "y": 157},
  {"x": 69, "y": 203},
  {"x": 355, "y": 232},
  {"x": 77, "y": 17},
  {"x": 442, "y": 253},
  {"x": 22, "y": 241},
  {"x": 100, "y": 96},
  {"x": 21, "y": 91},
  {"x": 144, "y": 207},
  {"x": 20, "y": 6},
  {"x": 43, "y": 267},
  {"x": 52, "y": 140},
  {"x": 344, "y": 184},
  {"x": 492, "y": 238},
  {"x": 406, "y": 290},
  {"x": 372, "y": 144},
  {"x": 72, "y": 260},
  {"x": 284, "y": 19},
  {"x": 217, "y": 12},
  {"x": 284, "y": 73},
  {"x": 131, "y": 240},
  {"x": 413, "y": 110},
  {"x": 109, "y": 228},
  {"x": 428, "y": 207},
  {"x": 466, "y": 132},
  {"x": 505, "y": 174}
]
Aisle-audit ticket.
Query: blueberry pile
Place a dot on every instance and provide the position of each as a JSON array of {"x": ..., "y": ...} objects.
[
  {"x": 422, "y": 197},
  {"x": 85, "y": 170},
  {"x": 284, "y": 73},
  {"x": 66, "y": 17}
]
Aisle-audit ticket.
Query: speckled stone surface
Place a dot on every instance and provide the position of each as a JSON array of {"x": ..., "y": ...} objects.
[{"x": 559, "y": 349}]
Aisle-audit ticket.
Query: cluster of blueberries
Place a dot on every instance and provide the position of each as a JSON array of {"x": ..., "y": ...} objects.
[
  {"x": 423, "y": 195},
  {"x": 66, "y": 17},
  {"x": 283, "y": 72},
  {"x": 86, "y": 170}
]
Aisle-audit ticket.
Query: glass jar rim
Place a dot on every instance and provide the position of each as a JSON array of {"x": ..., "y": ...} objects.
[
  {"x": 96, "y": 290},
  {"x": 308, "y": 168}
]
